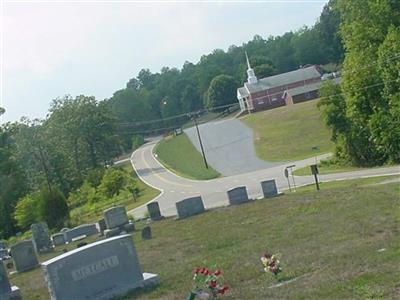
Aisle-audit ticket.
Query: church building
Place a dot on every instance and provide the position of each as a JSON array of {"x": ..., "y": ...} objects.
[{"x": 278, "y": 90}]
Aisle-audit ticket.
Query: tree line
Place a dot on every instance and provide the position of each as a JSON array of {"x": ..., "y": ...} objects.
[{"x": 46, "y": 164}]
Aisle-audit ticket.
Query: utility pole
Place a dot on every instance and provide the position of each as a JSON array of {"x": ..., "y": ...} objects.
[{"x": 200, "y": 142}]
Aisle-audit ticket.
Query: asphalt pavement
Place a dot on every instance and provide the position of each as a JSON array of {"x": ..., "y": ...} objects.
[
  {"x": 174, "y": 188},
  {"x": 228, "y": 146}
]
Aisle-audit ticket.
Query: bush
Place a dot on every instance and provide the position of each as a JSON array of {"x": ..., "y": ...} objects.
[
  {"x": 27, "y": 211},
  {"x": 113, "y": 181},
  {"x": 54, "y": 208}
]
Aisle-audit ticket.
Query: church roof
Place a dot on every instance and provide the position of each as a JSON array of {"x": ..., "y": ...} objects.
[
  {"x": 310, "y": 87},
  {"x": 283, "y": 79}
]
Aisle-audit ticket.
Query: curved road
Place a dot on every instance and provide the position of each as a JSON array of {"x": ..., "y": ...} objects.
[{"x": 174, "y": 188}]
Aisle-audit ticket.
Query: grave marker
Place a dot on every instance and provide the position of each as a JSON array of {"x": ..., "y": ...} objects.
[
  {"x": 146, "y": 233},
  {"x": 41, "y": 237},
  {"x": 24, "y": 256},
  {"x": 58, "y": 239},
  {"x": 7, "y": 292},
  {"x": 238, "y": 195},
  {"x": 269, "y": 188},
  {"x": 154, "y": 211},
  {"x": 189, "y": 207},
  {"x": 101, "y": 270}
]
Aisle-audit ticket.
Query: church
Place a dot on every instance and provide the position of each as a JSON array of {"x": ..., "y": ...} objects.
[{"x": 278, "y": 90}]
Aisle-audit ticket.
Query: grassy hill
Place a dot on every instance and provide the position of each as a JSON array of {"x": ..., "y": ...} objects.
[
  {"x": 330, "y": 240},
  {"x": 179, "y": 155},
  {"x": 289, "y": 132}
]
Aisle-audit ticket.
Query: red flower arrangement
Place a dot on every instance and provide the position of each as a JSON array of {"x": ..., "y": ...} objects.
[
  {"x": 204, "y": 281},
  {"x": 271, "y": 263}
]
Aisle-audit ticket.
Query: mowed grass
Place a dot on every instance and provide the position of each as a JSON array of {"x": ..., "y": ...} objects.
[
  {"x": 90, "y": 213},
  {"x": 330, "y": 240},
  {"x": 180, "y": 156},
  {"x": 289, "y": 132}
]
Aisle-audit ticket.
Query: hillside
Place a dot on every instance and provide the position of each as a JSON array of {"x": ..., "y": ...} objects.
[
  {"x": 290, "y": 132},
  {"x": 340, "y": 243}
]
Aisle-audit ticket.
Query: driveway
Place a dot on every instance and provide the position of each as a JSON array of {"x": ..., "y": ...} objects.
[{"x": 229, "y": 147}]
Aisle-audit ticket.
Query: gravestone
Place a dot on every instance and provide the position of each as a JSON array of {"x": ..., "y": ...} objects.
[
  {"x": 101, "y": 270},
  {"x": 154, "y": 211},
  {"x": 101, "y": 226},
  {"x": 3, "y": 245},
  {"x": 115, "y": 217},
  {"x": 238, "y": 195},
  {"x": 189, "y": 207},
  {"x": 146, "y": 233},
  {"x": 41, "y": 237},
  {"x": 269, "y": 188},
  {"x": 24, "y": 256},
  {"x": 117, "y": 221},
  {"x": 7, "y": 292},
  {"x": 58, "y": 239},
  {"x": 3, "y": 253},
  {"x": 81, "y": 230}
]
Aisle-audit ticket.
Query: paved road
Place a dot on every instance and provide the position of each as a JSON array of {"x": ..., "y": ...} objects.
[
  {"x": 229, "y": 147},
  {"x": 174, "y": 188}
]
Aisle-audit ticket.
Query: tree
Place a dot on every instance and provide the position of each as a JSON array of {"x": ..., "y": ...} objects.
[
  {"x": 327, "y": 29},
  {"x": 369, "y": 32},
  {"x": 222, "y": 91},
  {"x": 264, "y": 70},
  {"x": 12, "y": 180},
  {"x": 28, "y": 211},
  {"x": 54, "y": 208},
  {"x": 2, "y": 111},
  {"x": 112, "y": 183}
]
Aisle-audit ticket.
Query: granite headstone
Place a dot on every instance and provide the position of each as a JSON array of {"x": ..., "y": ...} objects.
[
  {"x": 238, "y": 195},
  {"x": 146, "y": 233},
  {"x": 154, "y": 211},
  {"x": 58, "y": 239},
  {"x": 81, "y": 230},
  {"x": 101, "y": 270},
  {"x": 189, "y": 207},
  {"x": 101, "y": 226},
  {"x": 24, "y": 256},
  {"x": 41, "y": 237},
  {"x": 115, "y": 217},
  {"x": 6, "y": 290},
  {"x": 269, "y": 188}
]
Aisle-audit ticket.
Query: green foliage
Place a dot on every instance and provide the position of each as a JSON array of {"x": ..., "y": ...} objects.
[
  {"x": 137, "y": 141},
  {"x": 54, "y": 208},
  {"x": 264, "y": 70},
  {"x": 13, "y": 184},
  {"x": 2, "y": 111},
  {"x": 112, "y": 183},
  {"x": 222, "y": 91},
  {"x": 28, "y": 211},
  {"x": 86, "y": 193},
  {"x": 365, "y": 120}
]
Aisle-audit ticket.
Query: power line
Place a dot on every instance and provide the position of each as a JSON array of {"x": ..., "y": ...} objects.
[
  {"x": 130, "y": 124},
  {"x": 321, "y": 98}
]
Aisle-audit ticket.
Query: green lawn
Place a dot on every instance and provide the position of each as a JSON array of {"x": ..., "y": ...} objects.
[
  {"x": 329, "y": 239},
  {"x": 324, "y": 168},
  {"x": 91, "y": 213},
  {"x": 289, "y": 132},
  {"x": 179, "y": 155}
]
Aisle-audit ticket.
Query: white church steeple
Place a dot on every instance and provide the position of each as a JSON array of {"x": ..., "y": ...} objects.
[{"x": 251, "y": 76}]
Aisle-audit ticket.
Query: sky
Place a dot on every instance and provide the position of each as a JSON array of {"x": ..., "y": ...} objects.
[{"x": 53, "y": 48}]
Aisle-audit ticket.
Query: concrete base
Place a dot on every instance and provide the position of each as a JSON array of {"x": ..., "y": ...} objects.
[{"x": 15, "y": 294}]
